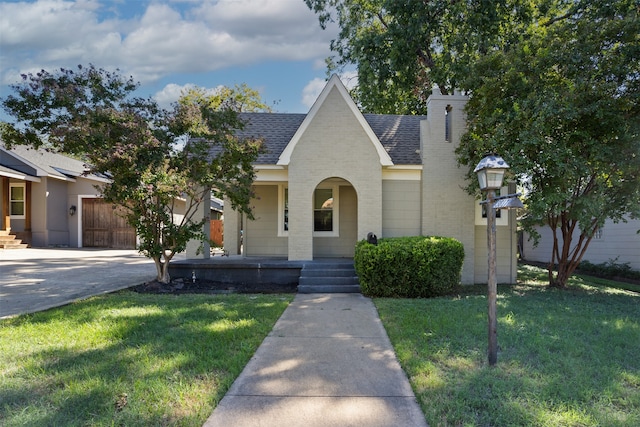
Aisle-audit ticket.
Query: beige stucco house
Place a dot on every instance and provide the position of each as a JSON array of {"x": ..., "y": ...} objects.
[{"x": 333, "y": 175}]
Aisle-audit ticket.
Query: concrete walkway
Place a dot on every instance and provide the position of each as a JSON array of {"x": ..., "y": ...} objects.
[
  {"x": 327, "y": 362},
  {"x": 38, "y": 279}
]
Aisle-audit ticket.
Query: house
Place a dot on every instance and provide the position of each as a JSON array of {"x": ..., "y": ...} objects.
[
  {"x": 330, "y": 177},
  {"x": 47, "y": 200},
  {"x": 617, "y": 242}
]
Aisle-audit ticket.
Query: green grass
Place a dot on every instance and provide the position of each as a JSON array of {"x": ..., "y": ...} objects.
[
  {"x": 566, "y": 357},
  {"x": 129, "y": 359}
]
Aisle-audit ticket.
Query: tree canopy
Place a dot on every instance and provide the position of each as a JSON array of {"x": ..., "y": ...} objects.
[
  {"x": 403, "y": 48},
  {"x": 553, "y": 85},
  {"x": 563, "y": 108},
  {"x": 155, "y": 158}
]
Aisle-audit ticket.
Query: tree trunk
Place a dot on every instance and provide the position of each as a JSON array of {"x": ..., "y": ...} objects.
[
  {"x": 568, "y": 259},
  {"x": 162, "y": 268}
]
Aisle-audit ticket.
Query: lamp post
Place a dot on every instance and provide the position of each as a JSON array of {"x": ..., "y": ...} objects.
[{"x": 490, "y": 172}]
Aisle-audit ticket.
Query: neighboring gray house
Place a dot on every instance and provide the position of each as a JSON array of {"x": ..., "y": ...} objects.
[
  {"x": 333, "y": 175},
  {"x": 46, "y": 200},
  {"x": 614, "y": 242}
]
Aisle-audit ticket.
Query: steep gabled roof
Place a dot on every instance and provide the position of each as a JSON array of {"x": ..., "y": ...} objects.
[
  {"x": 399, "y": 135},
  {"x": 395, "y": 138},
  {"x": 276, "y": 129},
  {"x": 334, "y": 83}
]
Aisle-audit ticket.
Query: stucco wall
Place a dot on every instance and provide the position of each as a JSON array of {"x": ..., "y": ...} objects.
[
  {"x": 57, "y": 214},
  {"x": 400, "y": 208},
  {"x": 506, "y": 255},
  {"x": 261, "y": 236},
  {"x": 39, "y": 233},
  {"x": 333, "y": 145},
  {"x": 619, "y": 241},
  {"x": 447, "y": 210}
]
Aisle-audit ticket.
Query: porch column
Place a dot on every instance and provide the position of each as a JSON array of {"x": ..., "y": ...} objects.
[
  {"x": 195, "y": 248},
  {"x": 6, "y": 218},
  {"x": 231, "y": 229},
  {"x": 300, "y": 222}
]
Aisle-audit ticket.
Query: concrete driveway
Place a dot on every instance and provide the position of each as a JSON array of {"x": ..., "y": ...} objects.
[{"x": 38, "y": 279}]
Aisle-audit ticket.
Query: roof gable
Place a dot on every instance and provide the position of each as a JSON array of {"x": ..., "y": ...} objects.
[
  {"x": 334, "y": 82},
  {"x": 399, "y": 135}
]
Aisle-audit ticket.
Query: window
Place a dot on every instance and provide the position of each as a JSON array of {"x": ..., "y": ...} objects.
[
  {"x": 447, "y": 123},
  {"x": 283, "y": 211},
  {"x": 323, "y": 209},
  {"x": 502, "y": 218},
  {"x": 598, "y": 234},
  {"x": 484, "y": 208},
  {"x": 17, "y": 200},
  {"x": 285, "y": 217}
]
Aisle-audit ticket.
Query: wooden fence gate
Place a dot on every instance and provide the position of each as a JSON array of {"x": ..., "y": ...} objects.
[{"x": 216, "y": 232}]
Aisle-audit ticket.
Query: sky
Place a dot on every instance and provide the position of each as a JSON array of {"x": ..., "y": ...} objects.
[{"x": 274, "y": 46}]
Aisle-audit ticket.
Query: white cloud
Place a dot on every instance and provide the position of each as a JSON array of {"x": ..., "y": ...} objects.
[
  {"x": 152, "y": 40},
  {"x": 312, "y": 90},
  {"x": 172, "y": 92}
]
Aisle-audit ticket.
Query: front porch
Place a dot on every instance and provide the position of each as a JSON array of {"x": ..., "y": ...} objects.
[{"x": 269, "y": 274}]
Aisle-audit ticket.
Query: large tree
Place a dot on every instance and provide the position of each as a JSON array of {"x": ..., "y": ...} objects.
[
  {"x": 155, "y": 158},
  {"x": 553, "y": 89},
  {"x": 403, "y": 48},
  {"x": 562, "y": 106}
]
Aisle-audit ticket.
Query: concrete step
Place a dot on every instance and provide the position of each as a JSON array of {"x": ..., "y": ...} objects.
[
  {"x": 329, "y": 272},
  {"x": 328, "y": 277}
]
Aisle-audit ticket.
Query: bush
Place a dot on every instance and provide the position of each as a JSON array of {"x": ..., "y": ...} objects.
[
  {"x": 409, "y": 267},
  {"x": 609, "y": 269}
]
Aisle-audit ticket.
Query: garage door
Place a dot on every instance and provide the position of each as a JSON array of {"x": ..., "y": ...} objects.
[{"x": 103, "y": 227}]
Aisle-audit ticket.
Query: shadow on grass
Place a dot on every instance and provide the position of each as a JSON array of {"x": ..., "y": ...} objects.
[
  {"x": 130, "y": 359},
  {"x": 565, "y": 357}
]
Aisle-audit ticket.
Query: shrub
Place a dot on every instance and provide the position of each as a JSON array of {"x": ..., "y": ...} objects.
[
  {"x": 409, "y": 267},
  {"x": 609, "y": 269}
]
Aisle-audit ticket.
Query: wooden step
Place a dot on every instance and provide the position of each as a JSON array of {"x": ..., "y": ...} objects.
[
  {"x": 9, "y": 241},
  {"x": 17, "y": 245}
]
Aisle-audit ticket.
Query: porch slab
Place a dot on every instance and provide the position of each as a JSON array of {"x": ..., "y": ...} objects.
[{"x": 248, "y": 273}]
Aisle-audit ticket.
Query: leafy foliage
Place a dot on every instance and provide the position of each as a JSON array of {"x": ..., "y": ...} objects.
[
  {"x": 411, "y": 267},
  {"x": 153, "y": 157},
  {"x": 554, "y": 89},
  {"x": 403, "y": 48},
  {"x": 609, "y": 269},
  {"x": 562, "y": 107}
]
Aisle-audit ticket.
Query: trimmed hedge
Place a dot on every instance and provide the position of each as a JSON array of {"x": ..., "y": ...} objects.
[{"x": 409, "y": 267}]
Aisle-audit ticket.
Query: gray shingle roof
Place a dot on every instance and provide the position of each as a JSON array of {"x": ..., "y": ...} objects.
[
  {"x": 52, "y": 164},
  {"x": 399, "y": 135}
]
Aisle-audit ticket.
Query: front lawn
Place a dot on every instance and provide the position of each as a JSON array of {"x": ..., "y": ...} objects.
[
  {"x": 129, "y": 359},
  {"x": 566, "y": 357}
]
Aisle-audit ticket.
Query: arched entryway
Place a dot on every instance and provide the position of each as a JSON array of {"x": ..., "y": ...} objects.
[{"x": 335, "y": 219}]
